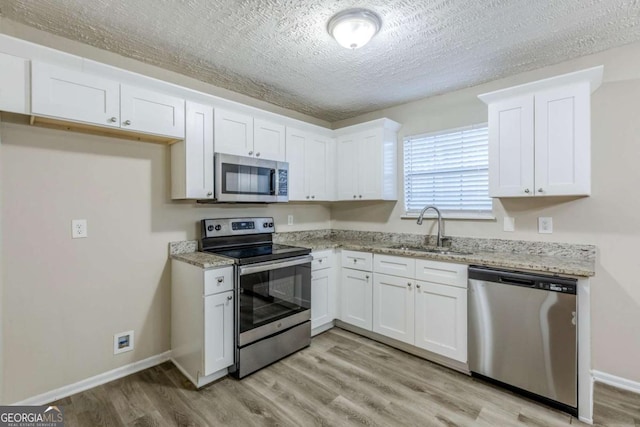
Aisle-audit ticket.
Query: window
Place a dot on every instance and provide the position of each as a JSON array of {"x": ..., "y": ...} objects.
[{"x": 450, "y": 170}]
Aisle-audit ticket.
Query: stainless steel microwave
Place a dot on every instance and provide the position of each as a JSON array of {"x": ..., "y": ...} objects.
[{"x": 241, "y": 179}]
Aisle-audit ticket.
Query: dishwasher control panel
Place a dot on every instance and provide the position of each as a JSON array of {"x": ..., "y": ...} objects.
[{"x": 543, "y": 282}]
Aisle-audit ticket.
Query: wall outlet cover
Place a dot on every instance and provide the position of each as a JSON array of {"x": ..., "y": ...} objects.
[
  {"x": 123, "y": 342},
  {"x": 509, "y": 223},
  {"x": 545, "y": 225},
  {"x": 289, "y": 219},
  {"x": 79, "y": 229}
]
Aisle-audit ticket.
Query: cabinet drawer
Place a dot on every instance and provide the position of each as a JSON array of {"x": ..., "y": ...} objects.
[
  {"x": 357, "y": 260},
  {"x": 445, "y": 273},
  {"x": 394, "y": 265},
  {"x": 321, "y": 260},
  {"x": 218, "y": 280}
]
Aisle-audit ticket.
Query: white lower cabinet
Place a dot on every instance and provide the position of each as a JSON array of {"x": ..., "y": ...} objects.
[
  {"x": 422, "y": 303},
  {"x": 356, "y": 293},
  {"x": 202, "y": 305},
  {"x": 323, "y": 291},
  {"x": 441, "y": 319},
  {"x": 393, "y": 307}
]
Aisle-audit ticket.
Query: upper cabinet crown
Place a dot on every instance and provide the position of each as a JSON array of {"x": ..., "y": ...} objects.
[
  {"x": 243, "y": 135},
  {"x": 367, "y": 161},
  {"x": 70, "y": 95},
  {"x": 540, "y": 136}
]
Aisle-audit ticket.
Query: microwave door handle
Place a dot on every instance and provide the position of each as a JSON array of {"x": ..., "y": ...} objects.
[{"x": 273, "y": 182}]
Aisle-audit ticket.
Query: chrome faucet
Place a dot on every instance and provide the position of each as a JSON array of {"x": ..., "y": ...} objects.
[{"x": 440, "y": 229}]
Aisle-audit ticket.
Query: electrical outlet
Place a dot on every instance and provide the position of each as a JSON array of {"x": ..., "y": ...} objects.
[
  {"x": 79, "y": 228},
  {"x": 545, "y": 225},
  {"x": 123, "y": 342},
  {"x": 289, "y": 219},
  {"x": 509, "y": 223}
]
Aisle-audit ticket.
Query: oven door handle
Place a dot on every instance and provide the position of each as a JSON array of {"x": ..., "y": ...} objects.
[{"x": 274, "y": 265}]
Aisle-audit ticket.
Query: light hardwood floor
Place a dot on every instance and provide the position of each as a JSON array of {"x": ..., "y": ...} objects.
[{"x": 342, "y": 379}]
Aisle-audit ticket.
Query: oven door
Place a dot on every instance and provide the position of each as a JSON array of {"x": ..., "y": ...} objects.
[
  {"x": 247, "y": 179},
  {"x": 273, "y": 296}
]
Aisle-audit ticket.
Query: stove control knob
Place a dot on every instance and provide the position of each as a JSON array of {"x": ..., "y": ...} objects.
[
  {"x": 218, "y": 227},
  {"x": 270, "y": 224},
  {"x": 265, "y": 225},
  {"x": 210, "y": 228}
]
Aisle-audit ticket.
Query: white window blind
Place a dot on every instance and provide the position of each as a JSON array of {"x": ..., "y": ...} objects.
[{"x": 448, "y": 169}]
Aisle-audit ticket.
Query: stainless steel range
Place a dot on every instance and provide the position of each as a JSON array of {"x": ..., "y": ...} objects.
[{"x": 273, "y": 284}]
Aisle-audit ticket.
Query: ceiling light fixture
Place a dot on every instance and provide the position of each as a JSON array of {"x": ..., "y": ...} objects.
[{"x": 354, "y": 28}]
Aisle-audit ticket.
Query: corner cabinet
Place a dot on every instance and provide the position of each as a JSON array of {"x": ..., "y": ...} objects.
[
  {"x": 540, "y": 136},
  {"x": 202, "y": 306},
  {"x": 367, "y": 161},
  {"x": 192, "y": 158},
  {"x": 311, "y": 166}
]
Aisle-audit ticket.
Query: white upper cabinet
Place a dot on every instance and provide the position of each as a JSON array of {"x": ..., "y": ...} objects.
[
  {"x": 71, "y": 95},
  {"x": 367, "y": 157},
  {"x": 311, "y": 166},
  {"x": 242, "y": 135},
  {"x": 148, "y": 111},
  {"x": 14, "y": 84},
  {"x": 540, "y": 136},
  {"x": 192, "y": 158},
  {"x": 67, "y": 94},
  {"x": 268, "y": 140}
]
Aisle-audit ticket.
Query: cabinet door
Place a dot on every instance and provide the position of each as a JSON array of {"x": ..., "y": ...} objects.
[
  {"x": 369, "y": 160},
  {"x": 441, "y": 319},
  {"x": 147, "y": 111},
  {"x": 393, "y": 307},
  {"x": 356, "y": 294},
  {"x": 296, "y": 143},
  {"x": 348, "y": 162},
  {"x": 72, "y": 95},
  {"x": 269, "y": 140},
  {"x": 192, "y": 159},
  {"x": 563, "y": 141},
  {"x": 511, "y": 142},
  {"x": 323, "y": 297},
  {"x": 14, "y": 84},
  {"x": 233, "y": 132},
  {"x": 318, "y": 168},
  {"x": 218, "y": 332}
]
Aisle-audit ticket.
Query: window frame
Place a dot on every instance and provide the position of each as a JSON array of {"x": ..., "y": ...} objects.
[{"x": 455, "y": 215}]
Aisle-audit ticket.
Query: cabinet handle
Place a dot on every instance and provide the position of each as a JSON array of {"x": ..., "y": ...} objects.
[
  {"x": 229, "y": 298},
  {"x": 307, "y": 197},
  {"x": 366, "y": 277},
  {"x": 418, "y": 286},
  {"x": 313, "y": 197},
  {"x": 360, "y": 196},
  {"x": 127, "y": 122},
  {"x": 209, "y": 193},
  {"x": 258, "y": 154},
  {"x": 526, "y": 190},
  {"x": 113, "y": 120},
  {"x": 409, "y": 285},
  {"x": 220, "y": 279},
  {"x": 354, "y": 196},
  {"x": 251, "y": 153},
  {"x": 540, "y": 190},
  {"x": 320, "y": 260},
  {"x": 355, "y": 260}
]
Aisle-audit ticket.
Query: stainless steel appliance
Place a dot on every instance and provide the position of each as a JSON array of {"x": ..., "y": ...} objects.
[
  {"x": 240, "y": 179},
  {"x": 522, "y": 334},
  {"x": 273, "y": 284}
]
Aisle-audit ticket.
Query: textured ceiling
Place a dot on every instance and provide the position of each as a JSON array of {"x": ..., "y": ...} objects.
[{"x": 279, "y": 50}]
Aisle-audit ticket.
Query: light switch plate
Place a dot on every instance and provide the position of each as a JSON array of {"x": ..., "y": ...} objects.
[
  {"x": 509, "y": 223},
  {"x": 545, "y": 225}
]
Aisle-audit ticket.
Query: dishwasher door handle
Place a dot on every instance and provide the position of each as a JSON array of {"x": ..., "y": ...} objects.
[{"x": 517, "y": 281}]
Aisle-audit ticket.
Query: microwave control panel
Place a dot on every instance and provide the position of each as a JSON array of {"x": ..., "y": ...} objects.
[{"x": 283, "y": 175}]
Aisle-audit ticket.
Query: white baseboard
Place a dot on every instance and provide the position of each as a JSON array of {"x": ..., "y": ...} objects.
[
  {"x": 97, "y": 380},
  {"x": 619, "y": 382}
]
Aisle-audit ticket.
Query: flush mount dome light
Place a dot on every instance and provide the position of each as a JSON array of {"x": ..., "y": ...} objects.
[{"x": 354, "y": 28}]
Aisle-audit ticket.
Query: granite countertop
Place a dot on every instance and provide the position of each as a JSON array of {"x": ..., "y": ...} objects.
[
  {"x": 203, "y": 259},
  {"x": 582, "y": 267}
]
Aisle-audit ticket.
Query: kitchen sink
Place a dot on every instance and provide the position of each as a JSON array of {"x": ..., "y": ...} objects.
[{"x": 431, "y": 250}]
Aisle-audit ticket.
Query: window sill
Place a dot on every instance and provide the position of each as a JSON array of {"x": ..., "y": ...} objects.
[{"x": 454, "y": 216}]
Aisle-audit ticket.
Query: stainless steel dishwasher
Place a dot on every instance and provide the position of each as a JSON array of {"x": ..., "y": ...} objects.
[{"x": 522, "y": 334}]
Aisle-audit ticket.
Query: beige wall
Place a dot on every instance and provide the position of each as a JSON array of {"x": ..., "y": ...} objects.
[{"x": 607, "y": 219}]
